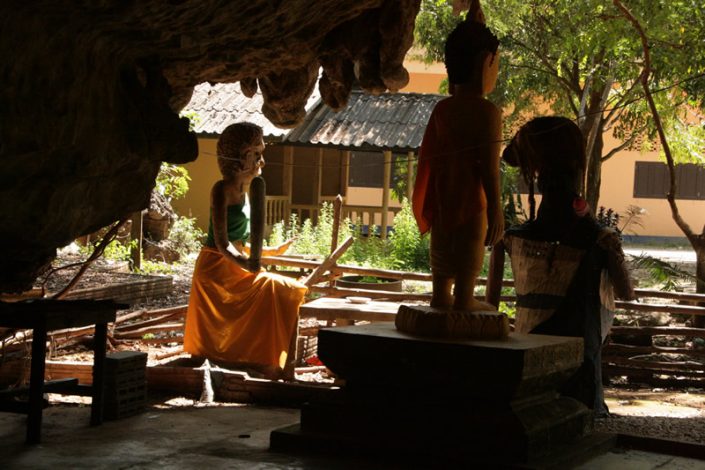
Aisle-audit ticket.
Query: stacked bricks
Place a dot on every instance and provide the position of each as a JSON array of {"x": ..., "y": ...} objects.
[{"x": 125, "y": 384}]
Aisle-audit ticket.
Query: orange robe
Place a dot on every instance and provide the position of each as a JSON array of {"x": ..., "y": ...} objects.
[
  {"x": 238, "y": 316},
  {"x": 448, "y": 188}
]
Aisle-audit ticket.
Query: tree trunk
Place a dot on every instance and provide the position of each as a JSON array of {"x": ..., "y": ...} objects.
[
  {"x": 699, "y": 320},
  {"x": 594, "y": 170},
  {"x": 591, "y": 126}
]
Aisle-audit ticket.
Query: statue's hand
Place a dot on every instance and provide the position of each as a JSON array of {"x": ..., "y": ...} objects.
[
  {"x": 495, "y": 227},
  {"x": 281, "y": 249},
  {"x": 242, "y": 260}
]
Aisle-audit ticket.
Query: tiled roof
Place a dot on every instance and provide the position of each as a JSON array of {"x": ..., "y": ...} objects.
[
  {"x": 217, "y": 106},
  {"x": 394, "y": 121}
]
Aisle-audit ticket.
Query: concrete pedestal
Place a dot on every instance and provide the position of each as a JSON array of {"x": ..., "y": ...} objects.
[{"x": 457, "y": 400}]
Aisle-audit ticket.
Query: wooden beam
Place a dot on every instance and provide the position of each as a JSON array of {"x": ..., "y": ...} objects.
[
  {"x": 136, "y": 234},
  {"x": 410, "y": 175},
  {"x": 385, "y": 191},
  {"x": 288, "y": 178},
  {"x": 328, "y": 263},
  {"x": 318, "y": 183},
  {"x": 346, "y": 173}
]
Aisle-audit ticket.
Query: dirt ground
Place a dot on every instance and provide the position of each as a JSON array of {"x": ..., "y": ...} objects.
[{"x": 669, "y": 414}]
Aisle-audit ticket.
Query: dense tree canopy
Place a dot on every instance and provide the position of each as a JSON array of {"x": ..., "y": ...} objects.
[{"x": 584, "y": 60}]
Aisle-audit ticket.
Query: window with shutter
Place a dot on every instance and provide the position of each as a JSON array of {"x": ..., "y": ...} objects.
[{"x": 652, "y": 180}]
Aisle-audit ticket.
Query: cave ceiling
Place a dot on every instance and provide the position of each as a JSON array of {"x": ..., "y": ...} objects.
[{"x": 90, "y": 93}]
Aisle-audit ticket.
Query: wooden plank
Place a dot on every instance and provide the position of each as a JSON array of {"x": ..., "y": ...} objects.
[
  {"x": 161, "y": 319},
  {"x": 130, "y": 291},
  {"x": 239, "y": 387},
  {"x": 680, "y": 296},
  {"x": 330, "y": 261},
  {"x": 332, "y": 308},
  {"x": 682, "y": 381},
  {"x": 658, "y": 331},
  {"x": 626, "y": 350},
  {"x": 140, "y": 332},
  {"x": 652, "y": 365},
  {"x": 672, "y": 309},
  {"x": 386, "y": 181}
]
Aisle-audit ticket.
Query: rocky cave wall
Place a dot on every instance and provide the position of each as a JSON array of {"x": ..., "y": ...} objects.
[{"x": 90, "y": 93}]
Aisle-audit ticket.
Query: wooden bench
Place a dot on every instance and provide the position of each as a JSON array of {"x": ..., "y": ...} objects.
[{"x": 42, "y": 316}]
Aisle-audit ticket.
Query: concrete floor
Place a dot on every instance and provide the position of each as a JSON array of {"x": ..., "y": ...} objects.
[{"x": 180, "y": 434}]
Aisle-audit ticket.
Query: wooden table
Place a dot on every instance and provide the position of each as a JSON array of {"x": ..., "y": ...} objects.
[
  {"x": 330, "y": 309},
  {"x": 42, "y": 316}
]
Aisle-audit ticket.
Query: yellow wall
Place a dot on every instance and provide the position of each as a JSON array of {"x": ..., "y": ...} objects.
[
  {"x": 617, "y": 192},
  {"x": 423, "y": 78},
  {"x": 203, "y": 172}
]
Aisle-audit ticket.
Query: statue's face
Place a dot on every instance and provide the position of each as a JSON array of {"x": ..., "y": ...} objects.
[
  {"x": 253, "y": 161},
  {"x": 490, "y": 70}
]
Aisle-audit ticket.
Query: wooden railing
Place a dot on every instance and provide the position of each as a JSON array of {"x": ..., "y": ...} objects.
[
  {"x": 629, "y": 351},
  {"x": 368, "y": 215},
  {"x": 278, "y": 209}
]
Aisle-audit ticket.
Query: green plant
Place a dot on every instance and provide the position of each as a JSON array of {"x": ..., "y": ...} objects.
[
  {"x": 372, "y": 280},
  {"x": 509, "y": 308},
  {"x": 661, "y": 272},
  {"x": 408, "y": 247},
  {"x": 116, "y": 250},
  {"x": 186, "y": 237},
  {"x": 156, "y": 267},
  {"x": 172, "y": 181},
  {"x": 193, "y": 117}
]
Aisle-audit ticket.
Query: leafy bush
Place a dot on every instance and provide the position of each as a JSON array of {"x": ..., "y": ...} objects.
[
  {"x": 404, "y": 249},
  {"x": 186, "y": 237},
  {"x": 172, "y": 181},
  {"x": 409, "y": 248}
]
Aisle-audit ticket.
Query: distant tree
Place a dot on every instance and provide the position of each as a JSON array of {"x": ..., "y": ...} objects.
[{"x": 684, "y": 145}]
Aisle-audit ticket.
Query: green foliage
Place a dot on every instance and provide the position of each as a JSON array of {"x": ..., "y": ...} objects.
[
  {"x": 186, "y": 237},
  {"x": 372, "y": 280},
  {"x": 403, "y": 249},
  {"x": 686, "y": 139},
  {"x": 509, "y": 308},
  {"x": 370, "y": 250},
  {"x": 511, "y": 197},
  {"x": 156, "y": 268},
  {"x": 661, "y": 272},
  {"x": 433, "y": 24},
  {"x": 172, "y": 181},
  {"x": 193, "y": 117},
  {"x": 409, "y": 248},
  {"x": 400, "y": 176},
  {"x": 584, "y": 60},
  {"x": 118, "y": 251}
]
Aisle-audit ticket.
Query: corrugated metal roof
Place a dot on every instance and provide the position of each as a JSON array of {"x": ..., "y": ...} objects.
[
  {"x": 394, "y": 121},
  {"x": 217, "y": 106}
]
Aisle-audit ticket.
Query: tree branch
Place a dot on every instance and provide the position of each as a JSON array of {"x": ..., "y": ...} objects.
[
  {"x": 550, "y": 69},
  {"x": 97, "y": 252},
  {"x": 617, "y": 107},
  {"x": 619, "y": 148},
  {"x": 644, "y": 78}
]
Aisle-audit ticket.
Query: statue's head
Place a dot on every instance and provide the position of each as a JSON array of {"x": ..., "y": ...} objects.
[
  {"x": 550, "y": 149},
  {"x": 240, "y": 148},
  {"x": 472, "y": 56}
]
